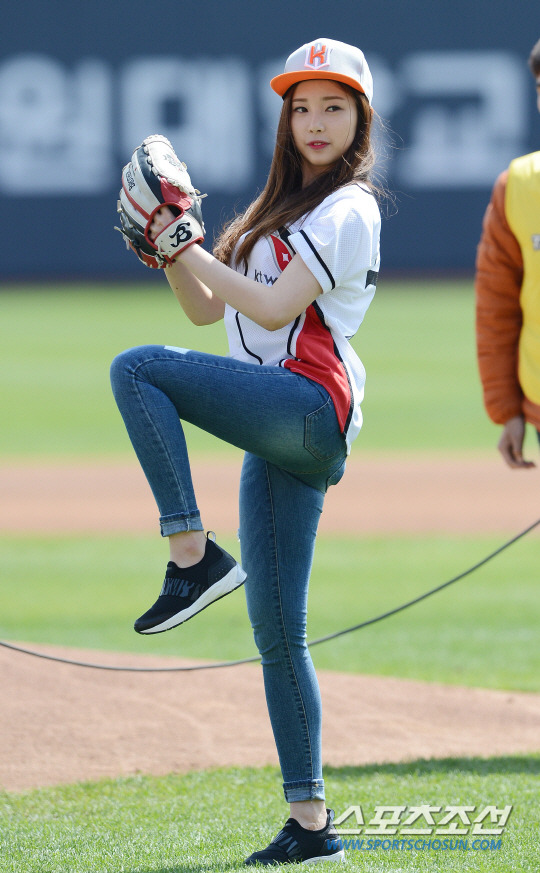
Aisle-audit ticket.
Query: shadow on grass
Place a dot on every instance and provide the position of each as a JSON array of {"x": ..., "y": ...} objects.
[{"x": 428, "y": 766}]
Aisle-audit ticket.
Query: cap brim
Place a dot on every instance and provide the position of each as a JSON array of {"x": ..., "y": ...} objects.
[{"x": 281, "y": 84}]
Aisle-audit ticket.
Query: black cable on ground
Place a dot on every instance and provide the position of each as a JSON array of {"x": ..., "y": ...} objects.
[{"x": 332, "y": 636}]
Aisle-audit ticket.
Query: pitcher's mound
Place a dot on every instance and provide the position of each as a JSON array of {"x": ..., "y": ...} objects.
[{"x": 62, "y": 724}]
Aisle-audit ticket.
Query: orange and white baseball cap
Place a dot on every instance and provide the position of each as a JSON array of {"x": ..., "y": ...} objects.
[{"x": 326, "y": 59}]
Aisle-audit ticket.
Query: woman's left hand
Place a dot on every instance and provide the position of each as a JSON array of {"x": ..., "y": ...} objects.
[{"x": 162, "y": 218}]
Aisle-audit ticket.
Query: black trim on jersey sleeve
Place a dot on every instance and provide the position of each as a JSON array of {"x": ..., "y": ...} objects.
[
  {"x": 241, "y": 335},
  {"x": 320, "y": 260},
  {"x": 285, "y": 234}
]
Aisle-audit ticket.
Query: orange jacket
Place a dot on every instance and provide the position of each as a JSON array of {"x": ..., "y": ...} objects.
[{"x": 499, "y": 275}]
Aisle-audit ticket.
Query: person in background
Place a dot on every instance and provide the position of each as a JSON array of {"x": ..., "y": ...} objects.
[{"x": 508, "y": 299}]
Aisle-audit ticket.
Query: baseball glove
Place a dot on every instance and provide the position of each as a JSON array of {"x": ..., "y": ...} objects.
[{"x": 155, "y": 178}]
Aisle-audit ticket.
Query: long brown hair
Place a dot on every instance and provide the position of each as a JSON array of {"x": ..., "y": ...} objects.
[{"x": 283, "y": 200}]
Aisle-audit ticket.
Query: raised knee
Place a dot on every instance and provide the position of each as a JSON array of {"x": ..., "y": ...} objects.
[{"x": 122, "y": 365}]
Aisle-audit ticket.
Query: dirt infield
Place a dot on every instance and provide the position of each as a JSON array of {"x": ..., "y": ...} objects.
[
  {"x": 63, "y": 724},
  {"x": 377, "y": 495},
  {"x": 60, "y": 724}
]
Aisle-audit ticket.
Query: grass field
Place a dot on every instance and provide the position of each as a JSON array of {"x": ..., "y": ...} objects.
[
  {"x": 417, "y": 343},
  {"x": 423, "y": 396},
  {"x": 179, "y": 824}
]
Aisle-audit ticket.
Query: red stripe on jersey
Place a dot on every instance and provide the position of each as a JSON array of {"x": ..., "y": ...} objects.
[
  {"x": 282, "y": 253},
  {"x": 318, "y": 359}
]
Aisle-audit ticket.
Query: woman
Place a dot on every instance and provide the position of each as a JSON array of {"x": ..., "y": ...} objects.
[{"x": 293, "y": 278}]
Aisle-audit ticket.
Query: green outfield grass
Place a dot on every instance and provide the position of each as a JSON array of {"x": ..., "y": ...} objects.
[
  {"x": 211, "y": 821},
  {"x": 417, "y": 343},
  {"x": 482, "y": 631}
]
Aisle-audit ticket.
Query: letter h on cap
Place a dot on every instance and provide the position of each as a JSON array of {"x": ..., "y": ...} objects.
[{"x": 317, "y": 56}]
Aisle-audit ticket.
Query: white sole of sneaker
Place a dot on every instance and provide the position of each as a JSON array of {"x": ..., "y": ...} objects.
[
  {"x": 337, "y": 856},
  {"x": 234, "y": 579}
]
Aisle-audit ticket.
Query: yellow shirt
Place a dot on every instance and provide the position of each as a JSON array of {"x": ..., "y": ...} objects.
[{"x": 522, "y": 208}]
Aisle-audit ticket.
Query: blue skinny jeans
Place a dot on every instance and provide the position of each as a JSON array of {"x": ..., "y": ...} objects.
[{"x": 287, "y": 427}]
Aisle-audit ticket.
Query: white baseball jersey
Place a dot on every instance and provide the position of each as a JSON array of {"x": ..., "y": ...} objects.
[{"x": 339, "y": 242}]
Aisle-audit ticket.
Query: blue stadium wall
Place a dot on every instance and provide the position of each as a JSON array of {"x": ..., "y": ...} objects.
[{"x": 82, "y": 83}]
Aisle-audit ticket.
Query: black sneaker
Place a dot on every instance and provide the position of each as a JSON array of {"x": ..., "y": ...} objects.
[
  {"x": 296, "y": 845},
  {"x": 187, "y": 591}
]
